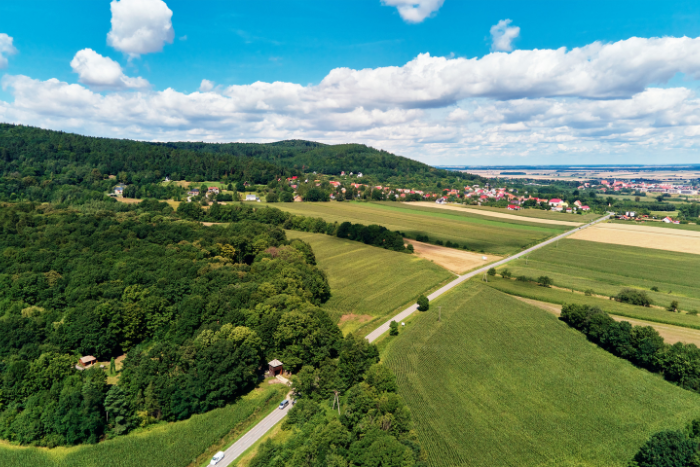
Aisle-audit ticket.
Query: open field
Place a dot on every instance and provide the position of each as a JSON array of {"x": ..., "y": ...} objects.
[
  {"x": 659, "y": 224},
  {"x": 479, "y": 233},
  {"x": 505, "y": 214},
  {"x": 541, "y": 214},
  {"x": 671, "y": 334},
  {"x": 121, "y": 199},
  {"x": 167, "y": 445},
  {"x": 457, "y": 261},
  {"x": 587, "y": 173},
  {"x": 369, "y": 283},
  {"x": 684, "y": 241},
  {"x": 500, "y": 383},
  {"x": 561, "y": 296}
]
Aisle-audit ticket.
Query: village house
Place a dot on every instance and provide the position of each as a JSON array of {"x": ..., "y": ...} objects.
[
  {"x": 87, "y": 361},
  {"x": 251, "y": 197}
]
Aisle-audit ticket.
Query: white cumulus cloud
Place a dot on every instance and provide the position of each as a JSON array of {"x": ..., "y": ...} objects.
[
  {"x": 206, "y": 85},
  {"x": 601, "y": 99},
  {"x": 140, "y": 26},
  {"x": 6, "y": 48},
  {"x": 503, "y": 35},
  {"x": 101, "y": 72},
  {"x": 415, "y": 11}
]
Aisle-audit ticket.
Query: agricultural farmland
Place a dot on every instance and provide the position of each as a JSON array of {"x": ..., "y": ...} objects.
[
  {"x": 165, "y": 445},
  {"x": 605, "y": 269},
  {"x": 479, "y": 233},
  {"x": 500, "y": 382},
  {"x": 369, "y": 283},
  {"x": 684, "y": 241},
  {"x": 550, "y": 217}
]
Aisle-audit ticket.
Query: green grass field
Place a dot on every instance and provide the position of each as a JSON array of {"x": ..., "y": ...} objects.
[
  {"x": 168, "y": 445},
  {"x": 369, "y": 281},
  {"x": 477, "y": 232},
  {"x": 540, "y": 214},
  {"x": 501, "y": 383},
  {"x": 561, "y": 296},
  {"x": 606, "y": 269}
]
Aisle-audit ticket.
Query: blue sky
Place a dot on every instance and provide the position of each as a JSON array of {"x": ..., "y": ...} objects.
[{"x": 153, "y": 90}]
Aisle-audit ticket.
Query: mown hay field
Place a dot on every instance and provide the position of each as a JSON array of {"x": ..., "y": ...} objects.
[
  {"x": 499, "y": 237},
  {"x": 499, "y": 382},
  {"x": 680, "y": 240},
  {"x": 369, "y": 283},
  {"x": 569, "y": 220},
  {"x": 541, "y": 214},
  {"x": 457, "y": 261},
  {"x": 606, "y": 269},
  {"x": 169, "y": 445}
]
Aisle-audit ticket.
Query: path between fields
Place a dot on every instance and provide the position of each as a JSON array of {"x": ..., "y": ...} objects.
[
  {"x": 669, "y": 332},
  {"x": 374, "y": 335},
  {"x": 502, "y": 215}
]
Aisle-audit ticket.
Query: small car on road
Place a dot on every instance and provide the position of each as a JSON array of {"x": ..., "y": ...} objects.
[
  {"x": 284, "y": 404},
  {"x": 218, "y": 457}
]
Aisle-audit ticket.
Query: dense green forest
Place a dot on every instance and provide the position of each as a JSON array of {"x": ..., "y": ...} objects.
[{"x": 196, "y": 310}]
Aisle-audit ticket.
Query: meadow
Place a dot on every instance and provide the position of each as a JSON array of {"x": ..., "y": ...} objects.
[
  {"x": 369, "y": 283},
  {"x": 606, "y": 268},
  {"x": 499, "y": 382},
  {"x": 479, "y": 233},
  {"x": 168, "y": 445},
  {"x": 562, "y": 296}
]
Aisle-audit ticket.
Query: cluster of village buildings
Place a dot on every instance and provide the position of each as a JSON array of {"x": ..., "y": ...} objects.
[{"x": 643, "y": 187}]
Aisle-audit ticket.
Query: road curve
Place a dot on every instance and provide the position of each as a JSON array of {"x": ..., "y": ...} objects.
[
  {"x": 252, "y": 436},
  {"x": 372, "y": 336}
]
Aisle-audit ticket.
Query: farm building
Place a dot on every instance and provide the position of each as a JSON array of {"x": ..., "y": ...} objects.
[
  {"x": 513, "y": 207},
  {"x": 276, "y": 367},
  {"x": 88, "y": 361},
  {"x": 252, "y": 198}
]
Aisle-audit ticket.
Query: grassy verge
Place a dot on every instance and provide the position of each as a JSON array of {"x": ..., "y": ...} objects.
[{"x": 500, "y": 382}]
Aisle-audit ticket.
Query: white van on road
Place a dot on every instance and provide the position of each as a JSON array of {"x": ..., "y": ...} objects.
[{"x": 217, "y": 458}]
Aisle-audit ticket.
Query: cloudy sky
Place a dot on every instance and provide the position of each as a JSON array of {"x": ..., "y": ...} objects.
[{"x": 442, "y": 81}]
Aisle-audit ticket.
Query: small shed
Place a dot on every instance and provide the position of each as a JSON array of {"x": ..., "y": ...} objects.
[
  {"x": 276, "y": 367},
  {"x": 87, "y": 361}
]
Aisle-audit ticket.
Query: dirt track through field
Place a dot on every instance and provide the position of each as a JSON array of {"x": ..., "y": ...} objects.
[
  {"x": 670, "y": 333},
  {"x": 682, "y": 241},
  {"x": 453, "y": 260},
  {"x": 501, "y": 215}
]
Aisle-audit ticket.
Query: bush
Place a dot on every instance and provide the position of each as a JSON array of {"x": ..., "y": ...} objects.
[
  {"x": 673, "y": 306},
  {"x": 506, "y": 274},
  {"x": 491, "y": 272},
  {"x": 634, "y": 297},
  {"x": 544, "y": 281},
  {"x": 438, "y": 242},
  {"x": 589, "y": 292},
  {"x": 655, "y": 289},
  {"x": 393, "y": 328},
  {"x": 667, "y": 448},
  {"x": 523, "y": 279},
  {"x": 287, "y": 197},
  {"x": 423, "y": 303},
  {"x": 693, "y": 312},
  {"x": 272, "y": 197}
]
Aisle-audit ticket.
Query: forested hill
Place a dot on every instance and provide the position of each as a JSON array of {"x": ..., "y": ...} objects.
[
  {"x": 33, "y": 152},
  {"x": 316, "y": 157}
]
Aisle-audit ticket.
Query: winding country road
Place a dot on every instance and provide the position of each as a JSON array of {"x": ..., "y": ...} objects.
[
  {"x": 259, "y": 430},
  {"x": 410, "y": 310}
]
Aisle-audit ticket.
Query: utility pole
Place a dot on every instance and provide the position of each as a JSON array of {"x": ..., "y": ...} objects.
[{"x": 336, "y": 401}]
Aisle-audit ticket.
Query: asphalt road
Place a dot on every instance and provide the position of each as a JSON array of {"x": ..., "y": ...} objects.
[
  {"x": 253, "y": 435},
  {"x": 410, "y": 310}
]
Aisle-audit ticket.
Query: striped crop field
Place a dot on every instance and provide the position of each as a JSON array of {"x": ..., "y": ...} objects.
[
  {"x": 607, "y": 268},
  {"x": 499, "y": 382},
  {"x": 369, "y": 283},
  {"x": 479, "y": 233},
  {"x": 542, "y": 214},
  {"x": 168, "y": 445}
]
